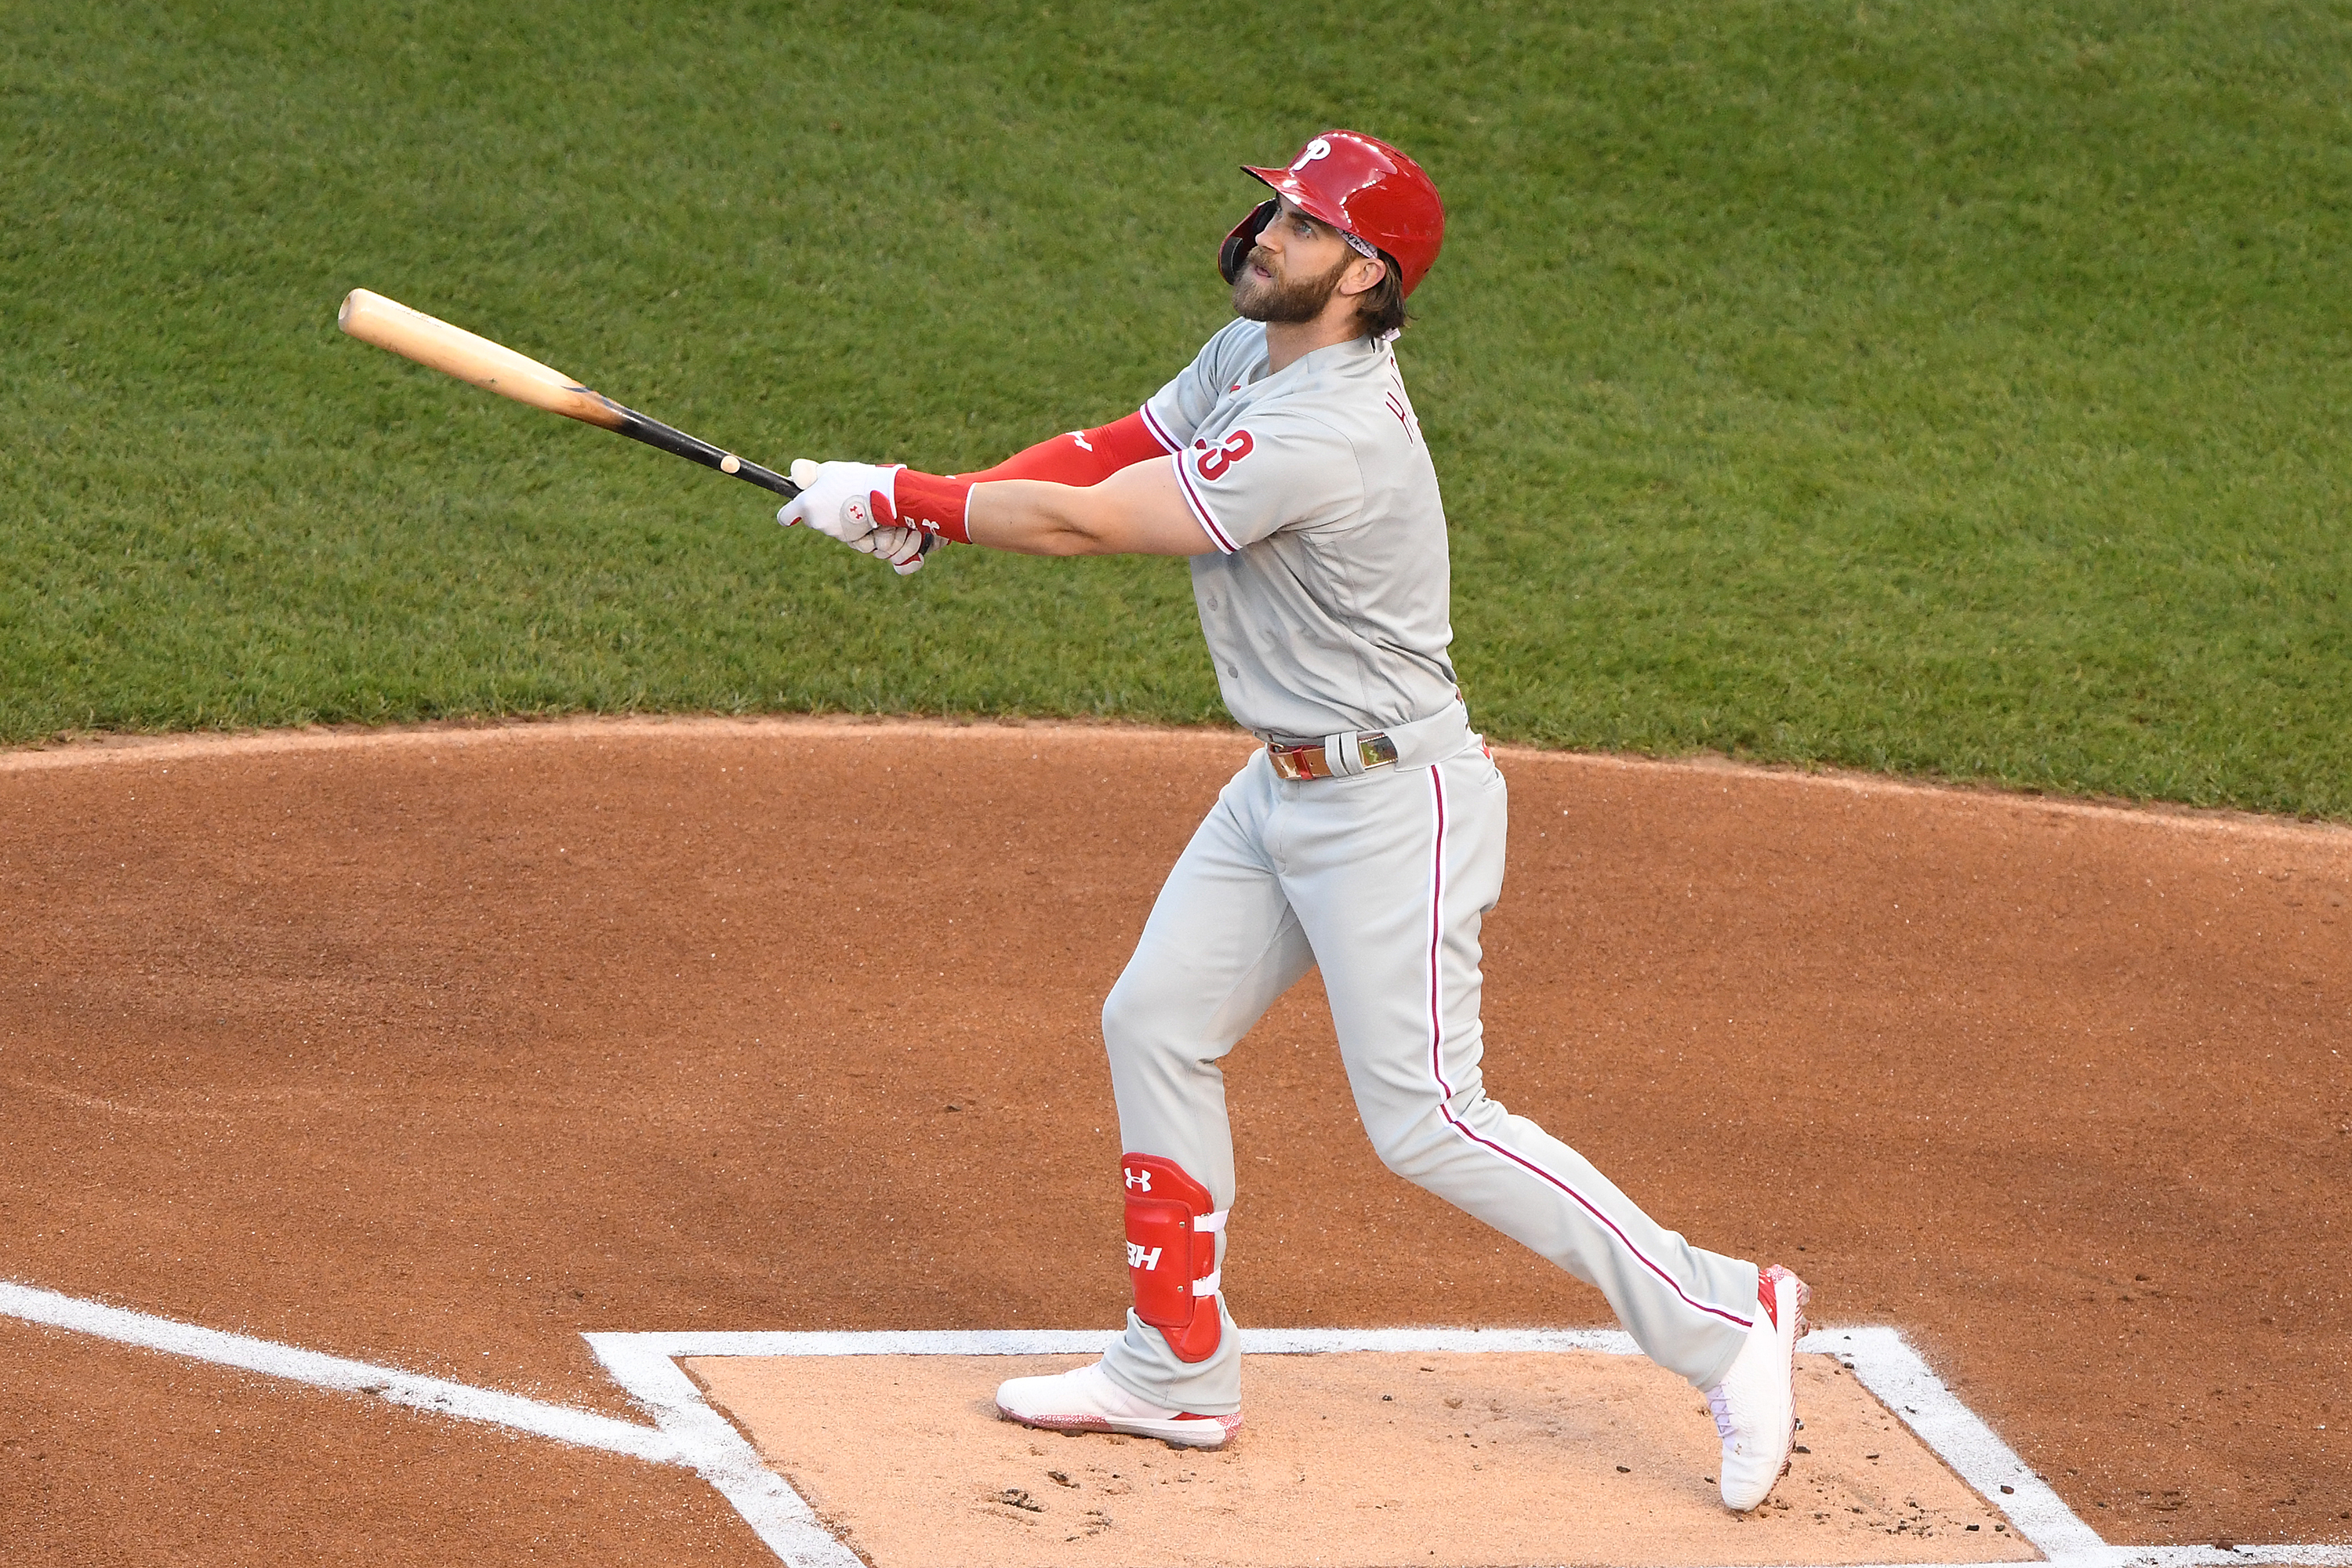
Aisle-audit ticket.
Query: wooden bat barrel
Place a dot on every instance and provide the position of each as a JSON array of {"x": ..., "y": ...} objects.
[{"x": 494, "y": 367}]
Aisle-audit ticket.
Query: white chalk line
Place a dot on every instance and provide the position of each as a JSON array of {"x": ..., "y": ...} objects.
[
  {"x": 776, "y": 1513},
  {"x": 463, "y": 1402},
  {"x": 687, "y": 1432}
]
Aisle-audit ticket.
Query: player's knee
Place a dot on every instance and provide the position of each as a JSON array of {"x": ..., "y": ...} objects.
[
  {"x": 1133, "y": 1019},
  {"x": 1417, "y": 1133},
  {"x": 1410, "y": 1146}
]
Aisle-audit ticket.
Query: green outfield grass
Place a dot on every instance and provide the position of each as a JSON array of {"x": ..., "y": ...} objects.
[{"x": 1951, "y": 390}]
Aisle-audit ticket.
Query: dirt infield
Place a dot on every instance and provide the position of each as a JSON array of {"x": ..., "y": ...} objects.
[{"x": 436, "y": 1048}]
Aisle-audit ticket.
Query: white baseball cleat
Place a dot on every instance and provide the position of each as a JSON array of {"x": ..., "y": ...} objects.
[
  {"x": 1086, "y": 1400},
  {"x": 1755, "y": 1405}
]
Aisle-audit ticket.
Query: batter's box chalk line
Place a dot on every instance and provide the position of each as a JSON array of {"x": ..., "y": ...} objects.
[{"x": 687, "y": 1432}]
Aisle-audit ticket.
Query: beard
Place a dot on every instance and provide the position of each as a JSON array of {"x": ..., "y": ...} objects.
[{"x": 1278, "y": 303}]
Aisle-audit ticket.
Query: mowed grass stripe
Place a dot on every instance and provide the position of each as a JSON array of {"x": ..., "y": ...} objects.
[{"x": 1959, "y": 392}]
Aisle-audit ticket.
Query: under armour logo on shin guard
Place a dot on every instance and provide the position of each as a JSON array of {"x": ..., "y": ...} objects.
[{"x": 1170, "y": 1217}]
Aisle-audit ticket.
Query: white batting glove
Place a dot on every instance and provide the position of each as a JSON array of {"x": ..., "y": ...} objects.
[
  {"x": 842, "y": 501},
  {"x": 901, "y": 547}
]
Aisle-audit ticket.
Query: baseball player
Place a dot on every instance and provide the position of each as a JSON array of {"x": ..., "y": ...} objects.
[{"x": 1364, "y": 838}]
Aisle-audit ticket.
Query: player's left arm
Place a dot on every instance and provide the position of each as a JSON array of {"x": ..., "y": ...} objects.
[{"x": 1139, "y": 510}]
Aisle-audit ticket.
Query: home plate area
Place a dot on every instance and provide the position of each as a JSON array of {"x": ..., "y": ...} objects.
[
  {"x": 1441, "y": 1447},
  {"x": 1349, "y": 1459},
  {"x": 1450, "y": 1448}
]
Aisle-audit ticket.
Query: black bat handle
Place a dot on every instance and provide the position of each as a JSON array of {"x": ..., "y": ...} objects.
[
  {"x": 695, "y": 449},
  {"x": 677, "y": 442}
]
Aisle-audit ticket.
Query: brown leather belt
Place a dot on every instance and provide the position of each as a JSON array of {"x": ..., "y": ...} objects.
[{"x": 1308, "y": 760}]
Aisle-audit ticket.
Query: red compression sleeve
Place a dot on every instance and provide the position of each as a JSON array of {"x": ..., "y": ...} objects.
[
  {"x": 1082, "y": 457},
  {"x": 940, "y": 504},
  {"x": 934, "y": 503}
]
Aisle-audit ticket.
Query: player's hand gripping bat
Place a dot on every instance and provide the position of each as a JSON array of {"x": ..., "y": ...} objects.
[{"x": 453, "y": 350}]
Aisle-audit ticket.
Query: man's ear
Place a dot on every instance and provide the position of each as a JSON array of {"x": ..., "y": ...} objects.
[{"x": 1363, "y": 276}]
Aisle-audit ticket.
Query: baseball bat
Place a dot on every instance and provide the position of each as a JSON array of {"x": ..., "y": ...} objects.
[{"x": 453, "y": 350}]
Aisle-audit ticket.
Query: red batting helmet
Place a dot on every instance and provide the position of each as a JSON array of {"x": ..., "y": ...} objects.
[{"x": 1364, "y": 188}]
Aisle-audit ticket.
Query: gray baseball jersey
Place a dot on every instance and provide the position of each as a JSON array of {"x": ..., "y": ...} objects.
[
  {"x": 1326, "y": 605},
  {"x": 1326, "y": 609}
]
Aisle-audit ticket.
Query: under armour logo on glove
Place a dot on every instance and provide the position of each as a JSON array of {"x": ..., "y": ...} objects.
[
  {"x": 845, "y": 500},
  {"x": 1136, "y": 1181}
]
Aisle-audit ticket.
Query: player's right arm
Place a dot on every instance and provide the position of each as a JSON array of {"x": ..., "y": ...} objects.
[
  {"x": 1139, "y": 511},
  {"x": 1082, "y": 458}
]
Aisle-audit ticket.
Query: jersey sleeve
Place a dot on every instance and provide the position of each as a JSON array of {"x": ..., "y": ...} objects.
[
  {"x": 1269, "y": 472},
  {"x": 1176, "y": 410}
]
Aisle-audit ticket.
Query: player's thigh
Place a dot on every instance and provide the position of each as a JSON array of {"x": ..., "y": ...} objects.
[
  {"x": 1222, "y": 943},
  {"x": 1391, "y": 899}
]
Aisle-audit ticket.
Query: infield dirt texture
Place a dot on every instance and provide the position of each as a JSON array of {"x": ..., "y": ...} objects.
[
  {"x": 1952, "y": 393},
  {"x": 442, "y": 1050}
]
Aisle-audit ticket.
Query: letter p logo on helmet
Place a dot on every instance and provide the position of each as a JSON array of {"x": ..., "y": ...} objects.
[{"x": 1359, "y": 185}]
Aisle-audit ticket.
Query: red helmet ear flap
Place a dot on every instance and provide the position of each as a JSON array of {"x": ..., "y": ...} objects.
[{"x": 1237, "y": 243}]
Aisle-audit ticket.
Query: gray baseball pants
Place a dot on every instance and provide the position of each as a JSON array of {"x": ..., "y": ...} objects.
[{"x": 1381, "y": 879}]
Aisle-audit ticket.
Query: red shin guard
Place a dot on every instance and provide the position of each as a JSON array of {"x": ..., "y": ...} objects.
[{"x": 1172, "y": 1254}]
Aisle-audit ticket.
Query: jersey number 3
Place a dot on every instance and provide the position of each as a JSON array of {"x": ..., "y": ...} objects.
[{"x": 1215, "y": 460}]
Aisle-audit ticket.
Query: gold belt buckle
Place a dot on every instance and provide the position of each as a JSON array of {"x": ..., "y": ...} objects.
[
  {"x": 1296, "y": 762},
  {"x": 1307, "y": 762}
]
